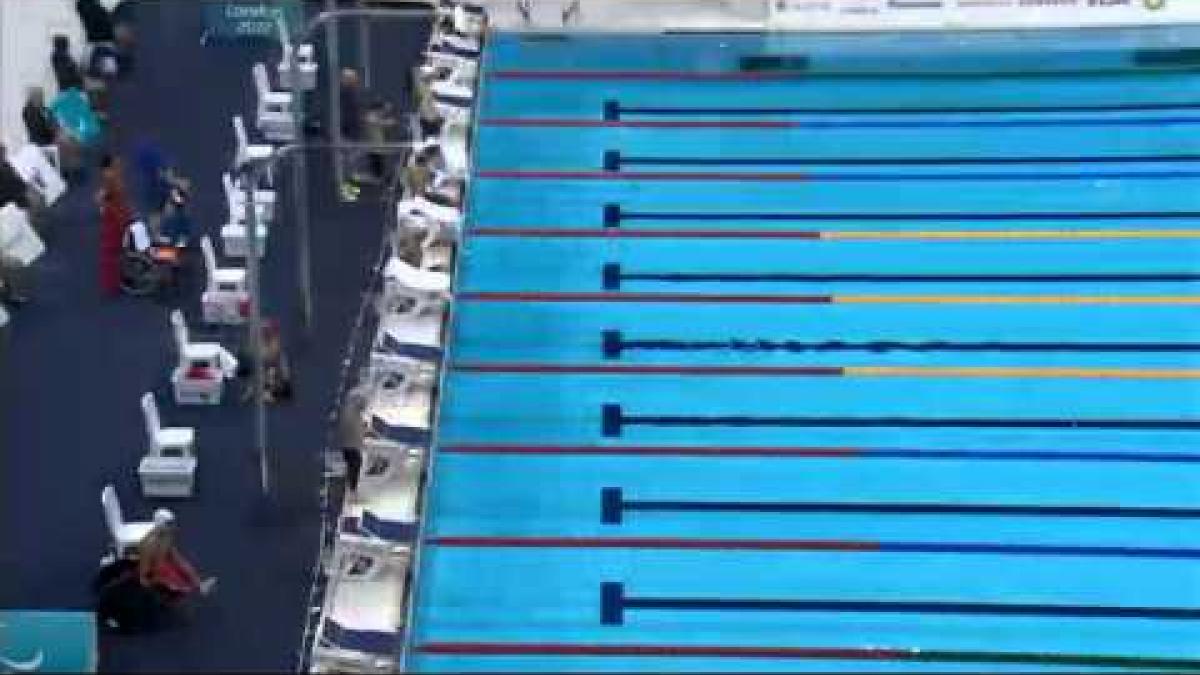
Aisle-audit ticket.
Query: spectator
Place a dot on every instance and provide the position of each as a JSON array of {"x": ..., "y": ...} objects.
[
  {"x": 96, "y": 20},
  {"x": 66, "y": 69},
  {"x": 277, "y": 374},
  {"x": 352, "y": 430},
  {"x": 115, "y": 216},
  {"x": 162, "y": 191},
  {"x": 350, "y": 105},
  {"x": 101, "y": 38},
  {"x": 39, "y": 121}
]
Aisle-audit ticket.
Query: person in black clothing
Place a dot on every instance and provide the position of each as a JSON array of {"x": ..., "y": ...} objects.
[
  {"x": 96, "y": 20},
  {"x": 66, "y": 70},
  {"x": 39, "y": 122},
  {"x": 101, "y": 37}
]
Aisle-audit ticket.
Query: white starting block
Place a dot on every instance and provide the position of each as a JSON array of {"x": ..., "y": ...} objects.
[
  {"x": 364, "y": 611},
  {"x": 398, "y": 365},
  {"x": 464, "y": 21},
  {"x": 274, "y": 111},
  {"x": 412, "y": 291},
  {"x": 199, "y": 376},
  {"x": 419, "y": 206},
  {"x": 169, "y": 467},
  {"x": 226, "y": 298},
  {"x": 245, "y": 153}
]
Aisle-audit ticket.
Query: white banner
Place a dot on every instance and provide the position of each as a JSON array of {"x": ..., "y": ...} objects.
[{"x": 984, "y": 14}]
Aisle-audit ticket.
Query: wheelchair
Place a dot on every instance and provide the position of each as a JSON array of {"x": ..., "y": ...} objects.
[{"x": 148, "y": 268}]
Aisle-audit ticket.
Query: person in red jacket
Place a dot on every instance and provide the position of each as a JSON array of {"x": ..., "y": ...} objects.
[{"x": 115, "y": 216}]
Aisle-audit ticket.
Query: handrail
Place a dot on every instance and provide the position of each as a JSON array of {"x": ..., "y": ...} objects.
[{"x": 412, "y": 589}]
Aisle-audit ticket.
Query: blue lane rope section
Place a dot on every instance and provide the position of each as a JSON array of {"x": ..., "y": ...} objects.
[
  {"x": 613, "y": 506},
  {"x": 614, "y": 214},
  {"x": 613, "y": 276},
  {"x": 614, "y": 344},
  {"x": 614, "y": 421},
  {"x": 614, "y": 603},
  {"x": 613, "y": 110},
  {"x": 614, "y": 160}
]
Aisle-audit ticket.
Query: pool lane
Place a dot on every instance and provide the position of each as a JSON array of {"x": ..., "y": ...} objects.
[
  {"x": 571, "y": 501},
  {"x": 835, "y": 138},
  {"x": 830, "y": 335},
  {"x": 806, "y": 266},
  {"x": 563, "y": 603},
  {"x": 583, "y": 99},
  {"x": 573, "y": 203}
]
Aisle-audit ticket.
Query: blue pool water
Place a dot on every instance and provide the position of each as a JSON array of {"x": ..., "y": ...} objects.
[{"x": 997, "y": 272}]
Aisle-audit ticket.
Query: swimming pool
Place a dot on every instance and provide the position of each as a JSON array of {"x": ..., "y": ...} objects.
[{"x": 779, "y": 354}]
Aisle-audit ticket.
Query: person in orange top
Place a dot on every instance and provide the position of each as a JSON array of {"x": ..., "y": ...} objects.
[{"x": 115, "y": 216}]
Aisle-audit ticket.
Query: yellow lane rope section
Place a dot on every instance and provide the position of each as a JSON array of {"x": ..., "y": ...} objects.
[
  {"x": 1022, "y": 371},
  {"x": 1016, "y": 299},
  {"x": 955, "y": 235}
]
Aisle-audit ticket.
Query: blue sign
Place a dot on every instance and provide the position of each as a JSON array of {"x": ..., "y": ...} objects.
[
  {"x": 249, "y": 19},
  {"x": 49, "y": 642}
]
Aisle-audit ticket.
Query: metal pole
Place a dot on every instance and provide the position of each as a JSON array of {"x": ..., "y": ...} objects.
[
  {"x": 250, "y": 178},
  {"x": 333, "y": 57},
  {"x": 300, "y": 197},
  {"x": 364, "y": 47}
]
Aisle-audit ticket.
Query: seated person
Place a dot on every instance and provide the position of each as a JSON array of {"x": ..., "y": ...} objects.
[
  {"x": 176, "y": 225},
  {"x": 122, "y": 603},
  {"x": 277, "y": 374},
  {"x": 160, "y": 186},
  {"x": 162, "y": 568}
]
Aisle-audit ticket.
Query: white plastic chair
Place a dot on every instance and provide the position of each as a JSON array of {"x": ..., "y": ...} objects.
[
  {"x": 165, "y": 441},
  {"x": 202, "y": 367},
  {"x": 221, "y": 279},
  {"x": 246, "y": 153},
  {"x": 125, "y": 536},
  {"x": 413, "y": 291},
  {"x": 265, "y": 200},
  {"x": 225, "y": 293},
  {"x": 274, "y": 111},
  {"x": 200, "y": 354},
  {"x": 235, "y": 232}
]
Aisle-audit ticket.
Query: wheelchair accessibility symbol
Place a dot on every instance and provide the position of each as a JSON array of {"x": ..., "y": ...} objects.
[{"x": 10, "y": 665}]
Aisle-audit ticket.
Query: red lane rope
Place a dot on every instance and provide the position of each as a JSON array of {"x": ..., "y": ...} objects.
[
  {"x": 646, "y": 369},
  {"x": 647, "y": 450},
  {"x": 637, "y": 124}
]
